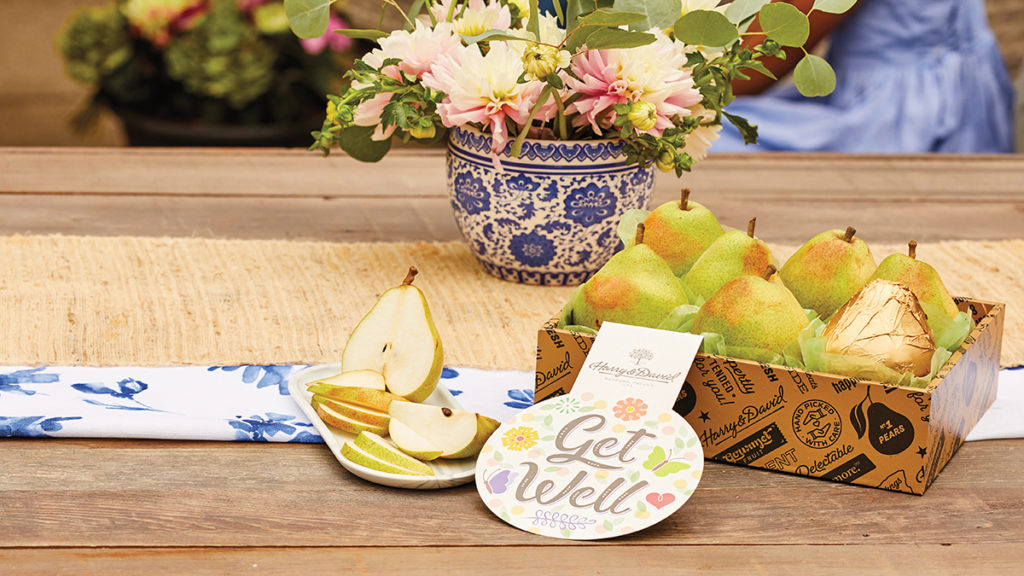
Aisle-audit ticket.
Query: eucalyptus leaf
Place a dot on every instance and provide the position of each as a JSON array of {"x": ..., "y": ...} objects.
[
  {"x": 607, "y": 38},
  {"x": 356, "y": 142},
  {"x": 833, "y": 6},
  {"x": 615, "y": 18},
  {"x": 814, "y": 77},
  {"x": 362, "y": 34},
  {"x": 308, "y": 18},
  {"x": 740, "y": 10},
  {"x": 490, "y": 35},
  {"x": 654, "y": 13},
  {"x": 785, "y": 24},
  {"x": 579, "y": 38},
  {"x": 705, "y": 28}
]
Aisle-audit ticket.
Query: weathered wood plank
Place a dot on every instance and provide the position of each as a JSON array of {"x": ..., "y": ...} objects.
[
  {"x": 120, "y": 493},
  {"x": 682, "y": 558}
]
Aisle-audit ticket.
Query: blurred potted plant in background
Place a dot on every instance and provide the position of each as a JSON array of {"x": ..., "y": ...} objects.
[{"x": 204, "y": 72}]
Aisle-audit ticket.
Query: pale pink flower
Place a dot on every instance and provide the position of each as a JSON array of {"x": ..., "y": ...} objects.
[
  {"x": 484, "y": 90},
  {"x": 654, "y": 73},
  {"x": 417, "y": 50},
  {"x": 368, "y": 113},
  {"x": 330, "y": 39}
]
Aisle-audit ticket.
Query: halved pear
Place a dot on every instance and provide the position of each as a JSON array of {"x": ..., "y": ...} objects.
[
  {"x": 329, "y": 413},
  {"x": 411, "y": 442},
  {"x": 363, "y": 458},
  {"x": 397, "y": 338},
  {"x": 366, "y": 397},
  {"x": 379, "y": 448},
  {"x": 457, "y": 433},
  {"x": 353, "y": 379}
]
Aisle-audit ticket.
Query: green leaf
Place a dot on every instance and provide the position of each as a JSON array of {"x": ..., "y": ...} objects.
[
  {"x": 740, "y": 10},
  {"x": 833, "y": 6},
  {"x": 361, "y": 34},
  {"x": 614, "y": 18},
  {"x": 760, "y": 67},
  {"x": 814, "y": 77},
  {"x": 785, "y": 24},
  {"x": 606, "y": 38},
  {"x": 308, "y": 18},
  {"x": 705, "y": 28},
  {"x": 355, "y": 141},
  {"x": 534, "y": 23},
  {"x": 650, "y": 13},
  {"x": 491, "y": 35},
  {"x": 554, "y": 81},
  {"x": 747, "y": 130},
  {"x": 579, "y": 38}
]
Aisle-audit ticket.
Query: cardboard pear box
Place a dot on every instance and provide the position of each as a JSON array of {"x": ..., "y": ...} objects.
[{"x": 816, "y": 424}]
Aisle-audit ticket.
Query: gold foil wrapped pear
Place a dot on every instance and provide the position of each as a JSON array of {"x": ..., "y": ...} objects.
[{"x": 883, "y": 322}]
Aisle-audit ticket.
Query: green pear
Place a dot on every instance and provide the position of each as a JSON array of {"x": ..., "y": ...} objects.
[
  {"x": 923, "y": 281},
  {"x": 360, "y": 456},
  {"x": 456, "y": 433},
  {"x": 635, "y": 287},
  {"x": 753, "y": 313},
  {"x": 680, "y": 232},
  {"x": 732, "y": 254},
  {"x": 397, "y": 338},
  {"x": 828, "y": 270}
]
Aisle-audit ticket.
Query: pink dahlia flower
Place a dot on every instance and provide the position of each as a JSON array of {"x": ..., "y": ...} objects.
[
  {"x": 654, "y": 73},
  {"x": 330, "y": 39}
]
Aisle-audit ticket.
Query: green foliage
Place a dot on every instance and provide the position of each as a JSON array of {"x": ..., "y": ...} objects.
[
  {"x": 813, "y": 76},
  {"x": 833, "y": 6},
  {"x": 705, "y": 28},
  {"x": 356, "y": 142},
  {"x": 617, "y": 17},
  {"x": 656, "y": 13},
  {"x": 740, "y": 11},
  {"x": 785, "y": 24},
  {"x": 606, "y": 38},
  {"x": 222, "y": 57},
  {"x": 95, "y": 43},
  {"x": 308, "y": 18}
]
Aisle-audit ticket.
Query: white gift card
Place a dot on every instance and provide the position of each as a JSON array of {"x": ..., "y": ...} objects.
[
  {"x": 608, "y": 459},
  {"x": 649, "y": 363}
]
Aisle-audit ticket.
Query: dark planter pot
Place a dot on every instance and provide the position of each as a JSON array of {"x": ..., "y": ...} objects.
[{"x": 149, "y": 131}]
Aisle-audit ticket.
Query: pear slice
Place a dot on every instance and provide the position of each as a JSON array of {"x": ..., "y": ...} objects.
[
  {"x": 366, "y": 397},
  {"x": 353, "y": 379},
  {"x": 457, "y": 433},
  {"x": 331, "y": 413},
  {"x": 411, "y": 442},
  {"x": 379, "y": 448},
  {"x": 397, "y": 338},
  {"x": 364, "y": 458},
  {"x": 354, "y": 412}
]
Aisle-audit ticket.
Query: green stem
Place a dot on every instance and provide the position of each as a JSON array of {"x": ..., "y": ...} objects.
[
  {"x": 409, "y": 23},
  {"x": 563, "y": 131},
  {"x": 517, "y": 146}
]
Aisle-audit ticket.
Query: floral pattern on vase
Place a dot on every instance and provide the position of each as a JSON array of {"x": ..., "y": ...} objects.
[{"x": 549, "y": 216}]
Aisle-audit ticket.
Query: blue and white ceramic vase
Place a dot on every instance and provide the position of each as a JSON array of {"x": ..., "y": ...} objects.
[{"x": 548, "y": 217}]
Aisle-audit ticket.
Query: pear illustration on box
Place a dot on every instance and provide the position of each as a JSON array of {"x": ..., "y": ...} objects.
[{"x": 608, "y": 459}]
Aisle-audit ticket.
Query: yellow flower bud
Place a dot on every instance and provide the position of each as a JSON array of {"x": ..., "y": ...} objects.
[
  {"x": 666, "y": 161},
  {"x": 332, "y": 112},
  {"x": 523, "y": 5},
  {"x": 540, "y": 61},
  {"x": 643, "y": 115},
  {"x": 423, "y": 131}
]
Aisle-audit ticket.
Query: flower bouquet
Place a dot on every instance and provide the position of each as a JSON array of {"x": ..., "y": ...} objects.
[
  {"x": 201, "y": 62},
  {"x": 571, "y": 108}
]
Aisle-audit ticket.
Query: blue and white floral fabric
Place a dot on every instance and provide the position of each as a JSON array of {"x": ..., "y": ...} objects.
[
  {"x": 243, "y": 403},
  {"x": 252, "y": 403}
]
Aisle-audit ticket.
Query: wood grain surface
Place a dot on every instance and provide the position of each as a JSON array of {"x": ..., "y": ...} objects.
[
  {"x": 297, "y": 194},
  {"x": 128, "y": 507}
]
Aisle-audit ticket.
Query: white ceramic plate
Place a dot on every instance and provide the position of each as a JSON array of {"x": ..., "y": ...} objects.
[{"x": 447, "y": 473}]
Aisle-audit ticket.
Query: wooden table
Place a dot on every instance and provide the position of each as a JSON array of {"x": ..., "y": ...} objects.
[{"x": 99, "y": 506}]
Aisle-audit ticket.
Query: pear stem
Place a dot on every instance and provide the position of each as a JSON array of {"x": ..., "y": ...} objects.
[
  {"x": 850, "y": 231},
  {"x": 410, "y": 276},
  {"x": 769, "y": 271},
  {"x": 639, "y": 238},
  {"x": 684, "y": 201},
  {"x": 750, "y": 227},
  {"x": 912, "y": 252}
]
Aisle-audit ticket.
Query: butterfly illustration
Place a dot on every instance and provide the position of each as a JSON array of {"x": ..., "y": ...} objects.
[
  {"x": 498, "y": 482},
  {"x": 663, "y": 465}
]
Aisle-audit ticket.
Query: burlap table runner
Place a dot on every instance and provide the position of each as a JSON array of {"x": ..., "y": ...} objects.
[{"x": 161, "y": 301}]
